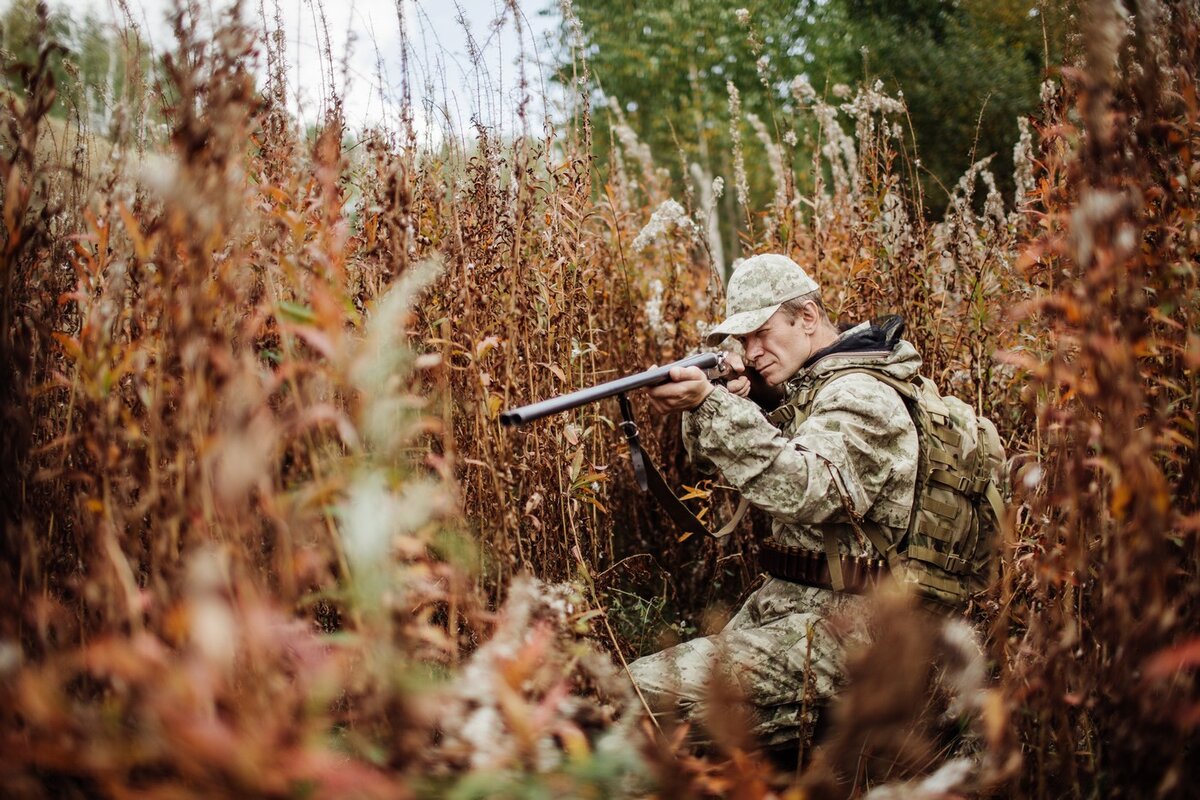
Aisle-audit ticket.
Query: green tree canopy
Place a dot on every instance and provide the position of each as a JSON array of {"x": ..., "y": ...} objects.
[
  {"x": 97, "y": 69},
  {"x": 967, "y": 68},
  {"x": 665, "y": 64},
  {"x": 21, "y": 31}
]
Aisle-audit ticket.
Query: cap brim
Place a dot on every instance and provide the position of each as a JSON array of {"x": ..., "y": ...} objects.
[{"x": 740, "y": 324}]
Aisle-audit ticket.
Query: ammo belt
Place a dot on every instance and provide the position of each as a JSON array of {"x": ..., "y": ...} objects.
[{"x": 811, "y": 568}]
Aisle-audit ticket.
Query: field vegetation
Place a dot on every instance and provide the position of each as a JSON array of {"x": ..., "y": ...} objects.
[{"x": 264, "y": 534}]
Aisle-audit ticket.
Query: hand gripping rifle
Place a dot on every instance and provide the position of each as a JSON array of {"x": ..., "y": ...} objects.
[{"x": 647, "y": 475}]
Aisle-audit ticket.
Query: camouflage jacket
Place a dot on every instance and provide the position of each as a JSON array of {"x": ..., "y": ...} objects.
[{"x": 858, "y": 446}]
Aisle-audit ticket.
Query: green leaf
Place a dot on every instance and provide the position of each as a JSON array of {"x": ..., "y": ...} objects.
[{"x": 294, "y": 312}]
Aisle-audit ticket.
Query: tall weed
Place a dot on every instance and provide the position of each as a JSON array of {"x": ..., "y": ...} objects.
[{"x": 264, "y": 531}]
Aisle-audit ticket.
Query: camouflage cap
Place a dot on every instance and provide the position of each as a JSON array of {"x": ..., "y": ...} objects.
[{"x": 758, "y": 287}]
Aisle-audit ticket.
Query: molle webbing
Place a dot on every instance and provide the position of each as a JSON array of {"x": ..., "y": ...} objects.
[
  {"x": 811, "y": 568},
  {"x": 948, "y": 548}
]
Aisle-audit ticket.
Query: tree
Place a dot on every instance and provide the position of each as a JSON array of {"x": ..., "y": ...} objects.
[
  {"x": 968, "y": 69},
  {"x": 96, "y": 70},
  {"x": 666, "y": 62},
  {"x": 20, "y": 37}
]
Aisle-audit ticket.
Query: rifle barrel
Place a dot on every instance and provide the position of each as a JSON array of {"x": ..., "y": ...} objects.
[{"x": 650, "y": 377}]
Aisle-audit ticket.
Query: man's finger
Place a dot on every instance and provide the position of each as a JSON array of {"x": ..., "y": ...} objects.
[
  {"x": 739, "y": 386},
  {"x": 679, "y": 374}
]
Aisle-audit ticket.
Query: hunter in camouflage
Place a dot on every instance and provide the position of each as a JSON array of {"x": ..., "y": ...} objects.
[{"x": 854, "y": 452}]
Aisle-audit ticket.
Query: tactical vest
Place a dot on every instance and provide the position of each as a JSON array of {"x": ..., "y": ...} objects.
[{"x": 948, "y": 551}]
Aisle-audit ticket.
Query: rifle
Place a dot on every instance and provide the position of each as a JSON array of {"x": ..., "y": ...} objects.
[
  {"x": 712, "y": 363},
  {"x": 647, "y": 475}
]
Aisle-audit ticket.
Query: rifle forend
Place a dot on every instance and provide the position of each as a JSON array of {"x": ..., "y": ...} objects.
[{"x": 712, "y": 362}]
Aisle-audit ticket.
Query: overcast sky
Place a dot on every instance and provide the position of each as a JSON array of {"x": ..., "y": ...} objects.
[{"x": 369, "y": 31}]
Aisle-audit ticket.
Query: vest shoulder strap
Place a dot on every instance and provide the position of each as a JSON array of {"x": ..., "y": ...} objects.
[{"x": 797, "y": 407}]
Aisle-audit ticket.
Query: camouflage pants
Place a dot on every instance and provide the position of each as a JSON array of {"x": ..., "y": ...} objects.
[{"x": 785, "y": 665}]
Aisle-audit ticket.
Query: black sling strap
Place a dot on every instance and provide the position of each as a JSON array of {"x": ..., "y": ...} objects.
[{"x": 649, "y": 479}]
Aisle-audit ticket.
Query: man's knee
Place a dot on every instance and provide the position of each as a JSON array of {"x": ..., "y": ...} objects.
[{"x": 675, "y": 678}]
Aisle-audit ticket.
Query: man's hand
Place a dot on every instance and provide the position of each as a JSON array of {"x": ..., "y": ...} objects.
[
  {"x": 737, "y": 381},
  {"x": 689, "y": 386}
]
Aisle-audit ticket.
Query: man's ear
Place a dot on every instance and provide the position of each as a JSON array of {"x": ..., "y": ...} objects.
[{"x": 811, "y": 315}]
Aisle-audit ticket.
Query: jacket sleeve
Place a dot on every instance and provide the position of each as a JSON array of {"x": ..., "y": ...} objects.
[{"x": 857, "y": 436}]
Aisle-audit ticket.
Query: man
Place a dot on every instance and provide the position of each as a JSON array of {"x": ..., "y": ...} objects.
[{"x": 855, "y": 453}]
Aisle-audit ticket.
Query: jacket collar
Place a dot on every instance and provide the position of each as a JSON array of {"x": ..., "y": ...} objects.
[{"x": 876, "y": 344}]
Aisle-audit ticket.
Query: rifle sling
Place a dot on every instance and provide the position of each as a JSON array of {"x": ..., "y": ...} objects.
[{"x": 649, "y": 479}]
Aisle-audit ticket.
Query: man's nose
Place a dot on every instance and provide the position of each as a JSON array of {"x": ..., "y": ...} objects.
[{"x": 753, "y": 349}]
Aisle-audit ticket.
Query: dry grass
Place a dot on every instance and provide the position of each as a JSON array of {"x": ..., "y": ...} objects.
[
  {"x": 260, "y": 514},
  {"x": 1102, "y": 589}
]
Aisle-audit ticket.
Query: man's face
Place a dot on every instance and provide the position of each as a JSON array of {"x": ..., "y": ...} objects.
[{"x": 779, "y": 348}]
